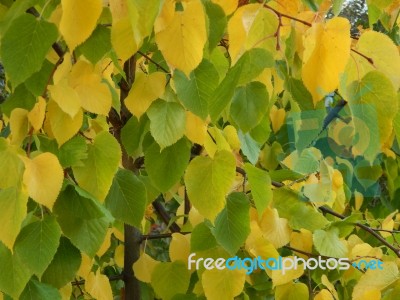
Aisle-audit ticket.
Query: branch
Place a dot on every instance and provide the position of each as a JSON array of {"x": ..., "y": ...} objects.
[
  {"x": 110, "y": 278},
  {"x": 159, "y": 207},
  {"x": 154, "y": 62},
  {"x": 282, "y": 15},
  {"x": 274, "y": 183},
  {"x": 161, "y": 235}
]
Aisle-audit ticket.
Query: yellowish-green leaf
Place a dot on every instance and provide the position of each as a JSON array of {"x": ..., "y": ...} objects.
[
  {"x": 19, "y": 125},
  {"x": 78, "y": 20},
  {"x": 144, "y": 266},
  {"x": 324, "y": 295},
  {"x": 179, "y": 249},
  {"x": 43, "y": 178},
  {"x": 181, "y": 35},
  {"x": 98, "y": 285},
  {"x": 122, "y": 39},
  {"x": 275, "y": 229},
  {"x": 292, "y": 291},
  {"x": 11, "y": 166},
  {"x": 223, "y": 284},
  {"x": 196, "y": 128}
]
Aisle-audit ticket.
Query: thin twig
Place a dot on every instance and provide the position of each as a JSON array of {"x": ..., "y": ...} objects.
[
  {"x": 154, "y": 62},
  {"x": 161, "y": 235}
]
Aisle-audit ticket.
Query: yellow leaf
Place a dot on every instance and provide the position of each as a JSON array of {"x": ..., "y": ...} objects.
[
  {"x": 327, "y": 50},
  {"x": 143, "y": 267},
  {"x": 228, "y": 6},
  {"x": 94, "y": 95},
  {"x": 122, "y": 39},
  {"x": 324, "y": 295},
  {"x": 118, "y": 234},
  {"x": 66, "y": 292},
  {"x": 232, "y": 137},
  {"x": 79, "y": 19},
  {"x": 275, "y": 229},
  {"x": 119, "y": 256},
  {"x": 106, "y": 244},
  {"x": 196, "y": 128},
  {"x": 223, "y": 284},
  {"x": 43, "y": 177},
  {"x": 119, "y": 10},
  {"x": 86, "y": 266},
  {"x": 373, "y": 294},
  {"x": 179, "y": 249},
  {"x": 63, "y": 69},
  {"x": 182, "y": 38},
  {"x": 144, "y": 91},
  {"x": 325, "y": 281},
  {"x": 36, "y": 115},
  {"x": 19, "y": 125},
  {"x": 302, "y": 240},
  {"x": 278, "y": 278},
  {"x": 63, "y": 127},
  {"x": 257, "y": 245},
  {"x": 98, "y": 286},
  {"x": 66, "y": 97},
  {"x": 388, "y": 224},
  {"x": 277, "y": 117},
  {"x": 217, "y": 142}
]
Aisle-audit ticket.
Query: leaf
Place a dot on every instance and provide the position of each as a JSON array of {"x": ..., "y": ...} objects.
[
  {"x": 36, "y": 115},
  {"x": 196, "y": 128},
  {"x": 11, "y": 166},
  {"x": 19, "y": 126},
  {"x": 98, "y": 286},
  {"x": 181, "y": 37},
  {"x": 250, "y": 147},
  {"x": 127, "y": 198},
  {"x": 278, "y": 278},
  {"x": 43, "y": 178},
  {"x": 179, "y": 248},
  {"x": 275, "y": 229},
  {"x": 249, "y": 104},
  {"x": 144, "y": 267},
  {"x": 217, "y": 22},
  {"x": 165, "y": 168},
  {"x": 78, "y": 20},
  {"x": 24, "y": 47},
  {"x": 202, "y": 238},
  {"x": 12, "y": 212},
  {"x": 64, "y": 266},
  {"x": 98, "y": 169},
  {"x": 121, "y": 39},
  {"x": 81, "y": 220},
  {"x": 232, "y": 224},
  {"x": 292, "y": 291},
  {"x": 196, "y": 91},
  {"x": 166, "y": 272},
  {"x": 223, "y": 284},
  {"x": 167, "y": 122},
  {"x": 228, "y": 6},
  {"x": 37, "y": 243},
  {"x": 66, "y": 97},
  {"x": 132, "y": 134},
  {"x": 326, "y": 52},
  {"x": 73, "y": 152},
  {"x": 38, "y": 290},
  {"x": 145, "y": 90},
  {"x": 97, "y": 45},
  {"x": 328, "y": 243},
  {"x": 14, "y": 280},
  {"x": 208, "y": 181},
  {"x": 63, "y": 127}
]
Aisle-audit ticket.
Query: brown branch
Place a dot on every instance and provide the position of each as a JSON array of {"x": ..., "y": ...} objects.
[
  {"x": 274, "y": 183},
  {"x": 154, "y": 62},
  {"x": 160, "y": 209},
  {"x": 186, "y": 208},
  {"x": 282, "y": 15},
  {"x": 161, "y": 235},
  {"x": 369, "y": 59}
]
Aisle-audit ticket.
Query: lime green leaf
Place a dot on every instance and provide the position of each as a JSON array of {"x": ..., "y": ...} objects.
[
  {"x": 37, "y": 243},
  {"x": 167, "y": 122},
  {"x": 260, "y": 185},
  {"x": 202, "y": 238},
  {"x": 97, "y": 45},
  {"x": 166, "y": 167},
  {"x": 167, "y": 272},
  {"x": 81, "y": 220},
  {"x": 232, "y": 224},
  {"x": 24, "y": 46},
  {"x": 11, "y": 166},
  {"x": 38, "y": 290},
  {"x": 127, "y": 198},
  {"x": 249, "y": 105},
  {"x": 209, "y": 180},
  {"x": 292, "y": 291},
  {"x": 64, "y": 266},
  {"x": 328, "y": 243},
  {"x": 98, "y": 169},
  {"x": 196, "y": 91}
]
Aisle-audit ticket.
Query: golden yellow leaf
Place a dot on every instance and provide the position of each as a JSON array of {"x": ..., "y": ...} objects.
[
  {"x": 122, "y": 39},
  {"x": 119, "y": 256},
  {"x": 302, "y": 240},
  {"x": 182, "y": 38},
  {"x": 179, "y": 249},
  {"x": 275, "y": 229},
  {"x": 86, "y": 265},
  {"x": 257, "y": 245},
  {"x": 325, "y": 281},
  {"x": 43, "y": 177},
  {"x": 196, "y": 128},
  {"x": 63, "y": 69},
  {"x": 63, "y": 127},
  {"x": 373, "y": 294},
  {"x": 327, "y": 50},
  {"x": 98, "y": 286},
  {"x": 223, "y": 284},
  {"x": 106, "y": 244},
  {"x": 66, "y": 292},
  {"x": 36, "y": 115},
  {"x": 228, "y": 6},
  {"x": 277, "y": 117},
  {"x": 66, "y": 97},
  {"x": 119, "y": 10},
  {"x": 143, "y": 267},
  {"x": 79, "y": 19},
  {"x": 144, "y": 91},
  {"x": 19, "y": 125},
  {"x": 232, "y": 137},
  {"x": 324, "y": 295},
  {"x": 278, "y": 278}
]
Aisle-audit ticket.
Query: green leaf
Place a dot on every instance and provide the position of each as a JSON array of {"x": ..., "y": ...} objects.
[
  {"x": 64, "y": 266},
  {"x": 249, "y": 147},
  {"x": 24, "y": 46},
  {"x": 37, "y": 243},
  {"x": 97, "y": 172},
  {"x": 73, "y": 152},
  {"x": 328, "y": 243},
  {"x": 11, "y": 166},
  {"x": 367, "y": 174},
  {"x": 132, "y": 134},
  {"x": 337, "y": 6},
  {"x": 216, "y": 23},
  {"x": 167, "y": 122},
  {"x": 165, "y": 168},
  {"x": 249, "y": 105},
  {"x": 38, "y": 81},
  {"x": 299, "y": 93},
  {"x": 21, "y": 97},
  {"x": 127, "y": 198},
  {"x": 165, "y": 273},
  {"x": 81, "y": 220},
  {"x": 97, "y": 45},
  {"x": 260, "y": 184},
  {"x": 209, "y": 180},
  {"x": 14, "y": 274},
  {"x": 292, "y": 291},
  {"x": 232, "y": 225},
  {"x": 202, "y": 238},
  {"x": 36, "y": 290},
  {"x": 300, "y": 214},
  {"x": 196, "y": 92}
]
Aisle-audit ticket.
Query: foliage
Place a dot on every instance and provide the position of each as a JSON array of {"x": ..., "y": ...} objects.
[{"x": 136, "y": 132}]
